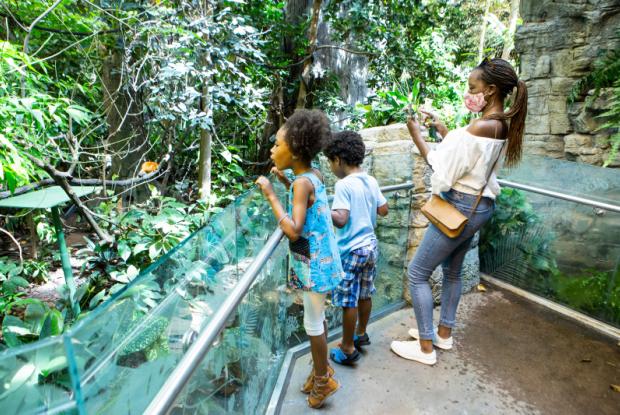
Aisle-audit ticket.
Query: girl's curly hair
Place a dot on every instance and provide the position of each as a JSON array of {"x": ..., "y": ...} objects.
[{"x": 306, "y": 132}]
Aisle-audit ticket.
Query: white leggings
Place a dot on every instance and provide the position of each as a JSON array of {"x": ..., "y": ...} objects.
[{"x": 314, "y": 313}]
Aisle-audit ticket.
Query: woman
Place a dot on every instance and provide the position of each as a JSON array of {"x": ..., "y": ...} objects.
[{"x": 461, "y": 165}]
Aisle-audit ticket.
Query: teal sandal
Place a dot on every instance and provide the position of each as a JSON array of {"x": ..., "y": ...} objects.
[{"x": 342, "y": 358}]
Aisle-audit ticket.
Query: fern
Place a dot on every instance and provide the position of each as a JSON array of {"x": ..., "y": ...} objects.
[
  {"x": 613, "y": 121},
  {"x": 606, "y": 72}
]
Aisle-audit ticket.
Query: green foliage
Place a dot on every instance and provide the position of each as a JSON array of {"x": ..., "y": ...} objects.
[
  {"x": 606, "y": 74},
  {"x": 594, "y": 292},
  {"x": 612, "y": 117},
  {"x": 143, "y": 233},
  {"x": 151, "y": 338},
  {"x": 32, "y": 124},
  {"x": 391, "y": 106},
  {"x": 30, "y": 270},
  {"x": 516, "y": 246},
  {"x": 39, "y": 321}
]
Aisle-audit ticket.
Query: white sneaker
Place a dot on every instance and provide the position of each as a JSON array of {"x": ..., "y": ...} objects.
[
  {"x": 440, "y": 342},
  {"x": 413, "y": 351}
]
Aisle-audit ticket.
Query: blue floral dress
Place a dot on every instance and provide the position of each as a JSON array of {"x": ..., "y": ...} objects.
[{"x": 314, "y": 259}]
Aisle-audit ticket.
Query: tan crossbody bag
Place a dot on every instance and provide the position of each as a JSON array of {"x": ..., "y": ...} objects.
[{"x": 446, "y": 217}]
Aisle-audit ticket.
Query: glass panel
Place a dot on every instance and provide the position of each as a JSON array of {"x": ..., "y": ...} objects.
[
  {"x": 125, "y": 356},
  {"x": 126, "y": 348},
  {"x": 35, "y": 378},
  {"x": 585, "y": 180},
  {"x": 392, "y": 233},
  {"x": 564, "y": 251},
  {"x": 240, "y": 370}
]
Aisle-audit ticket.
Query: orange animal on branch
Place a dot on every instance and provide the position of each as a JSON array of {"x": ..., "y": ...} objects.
[{"x": 148, "y": 167}]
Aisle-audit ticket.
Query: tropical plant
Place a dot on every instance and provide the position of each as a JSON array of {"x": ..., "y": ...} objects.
[
  {"x": 612, "y": 121},
  {"x": 594, "y": 292},
  {"x": 39, "y": 321},
  {"x": 516, "y": 246},
  {"x": 606, "y": 74}
]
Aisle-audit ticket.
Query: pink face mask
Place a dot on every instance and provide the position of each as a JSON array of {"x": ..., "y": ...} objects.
[{"x": 474, "y": 102}]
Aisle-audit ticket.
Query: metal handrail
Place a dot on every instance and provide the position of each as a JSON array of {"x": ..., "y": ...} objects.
[
  {"x": 558, "y": 195},
  {"x": 171, "y": 389}
]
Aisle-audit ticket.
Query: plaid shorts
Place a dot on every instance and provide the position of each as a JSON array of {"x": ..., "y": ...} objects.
[{"x": 360, "y": 270}]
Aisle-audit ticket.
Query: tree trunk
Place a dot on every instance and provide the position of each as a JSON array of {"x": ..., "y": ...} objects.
[
  {"x": 204, "y": 160},
  {"x": 305, "y": 73},
  {"x": 126, "y": 139},
  {"x": 509, "y": 42},
  {"x": 282, "y": 104},
  {"x": 484, "y": 30}
]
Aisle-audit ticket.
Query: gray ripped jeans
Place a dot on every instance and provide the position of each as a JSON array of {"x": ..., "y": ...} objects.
[{"x": 436, "y": 248}]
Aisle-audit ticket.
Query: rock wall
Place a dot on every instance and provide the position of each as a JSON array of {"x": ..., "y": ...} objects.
[
  {"x": 393, "y": 159},
  {"x": 558, "y": 44}
]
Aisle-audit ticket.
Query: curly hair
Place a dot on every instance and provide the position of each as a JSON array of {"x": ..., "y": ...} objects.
[
  {"x": 348, "y": 146},
  {"x": 306, "y": 132}
]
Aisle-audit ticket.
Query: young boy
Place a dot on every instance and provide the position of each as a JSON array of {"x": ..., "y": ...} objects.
[{"x": 357, "y": 201}]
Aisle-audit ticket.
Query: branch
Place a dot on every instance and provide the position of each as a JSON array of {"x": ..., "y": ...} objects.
[
  {"x": 355, "y": 52},
  {"x": 29, "y": 31},
  {"x": 51, "y": 30},
  {"x": 305, "y": 58},
  {"x": 19, "y": 248},
  {"x": 305, "y": 72},
  {"x": 27, "y": 39},
  {"x": 82, "y": 182},
  {"x": 61, "y": 180}
]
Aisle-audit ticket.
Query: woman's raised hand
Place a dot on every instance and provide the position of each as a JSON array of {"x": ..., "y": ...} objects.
[
  {"x": 432, "y": 116},
  {"x": 435, "y": 122},
  {"x": 413, "y": 126}
]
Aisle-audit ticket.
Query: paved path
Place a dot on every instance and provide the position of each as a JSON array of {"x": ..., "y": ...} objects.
[{"x": 510, "y": 357}]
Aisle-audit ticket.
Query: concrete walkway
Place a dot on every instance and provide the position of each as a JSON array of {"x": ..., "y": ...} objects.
[{"x": 510, "y": 357}]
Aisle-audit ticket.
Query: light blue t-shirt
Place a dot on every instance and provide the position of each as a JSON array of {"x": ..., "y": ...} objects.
[{"x": 358, "y": 193}]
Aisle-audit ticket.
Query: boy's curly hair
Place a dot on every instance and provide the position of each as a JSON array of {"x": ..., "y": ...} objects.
[
  {"x": 306, "y": 132},
  {"x": 348, "y": 146}
]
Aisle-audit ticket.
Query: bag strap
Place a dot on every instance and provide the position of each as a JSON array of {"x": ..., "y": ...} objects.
[{"x": 479, "y": 198}]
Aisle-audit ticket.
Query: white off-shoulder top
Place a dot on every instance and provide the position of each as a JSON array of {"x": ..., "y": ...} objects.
[{"x": 462, "y": 162}]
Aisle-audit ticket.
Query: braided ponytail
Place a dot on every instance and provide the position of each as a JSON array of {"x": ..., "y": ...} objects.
[{"x": 500, "y": 73}]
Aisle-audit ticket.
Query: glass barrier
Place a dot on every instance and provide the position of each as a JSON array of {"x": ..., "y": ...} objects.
[
  {"x": 239, "y": 371},
  {"x": 574, "y": 179},
  {"x": 36, "y": 378},
  {"x": 122, "y": 352},
  {"x": 564, "y": 251},
  {"x": 118, "y": 356}
]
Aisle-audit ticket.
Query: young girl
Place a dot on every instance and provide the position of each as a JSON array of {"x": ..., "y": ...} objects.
[
  {"x": 315, "y": 264},
  {"x": 461, "y": 165}
]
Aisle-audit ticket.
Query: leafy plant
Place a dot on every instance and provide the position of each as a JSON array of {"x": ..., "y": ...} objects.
[
  {"x": 612, "y": 116},
  {"x": 390, "y": 106},
  {"x": 39, "y": 321},
  {"x": 34, "y": 122},
  {"x": 594, "y": 292},
  {"x": 606, "y": 74},
  {"x": 516, "y": 246}
]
